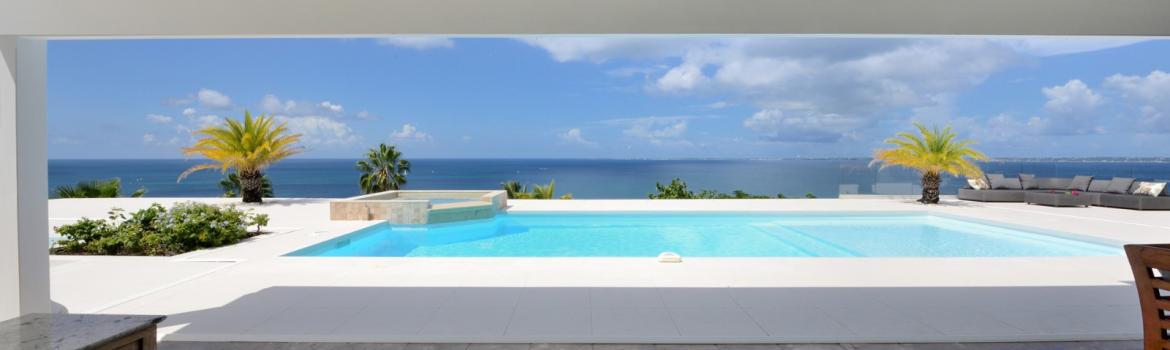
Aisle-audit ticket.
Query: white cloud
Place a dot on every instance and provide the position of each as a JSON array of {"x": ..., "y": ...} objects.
[
  {"x": 1072, "y": 97},
  {"x": 213, "y": 99},
  {"x": 409, "y": 132},
  {"x": 332, "y": 107},
  {"x": 817, "y": 84},
  {"x": 208, "y": 121},
  {"x": 659, "y": 131},
  {"x": 417, "y": 42},
  {"x": 1150, "y": 95},
  {"x": 148, "y": 138},
  {"x": 1053, "y": 46},
  {"x": 1069, "y": 109},
  {"x": 302, "y": 117},
  {"x": 271, "y": 104},
  {"x": 320, "y": 130},
  {"x": 574, "y": 136},
  {"x": 684, "y": 77},
  {"x": 776, "y": 125},
  {"x": 366, "y": 115},
  {"x": 158, "y": 118},
  {"x": 718, "y": 105},
  {"x": 760, "y": 71},
  {"x": 1150, "y": 88},
  {"x": 1002, "y": 127},
  {"x": 179, "y": 101},
  {"x": 601, "y": 49},
  {"x": 626, "y": 72}
]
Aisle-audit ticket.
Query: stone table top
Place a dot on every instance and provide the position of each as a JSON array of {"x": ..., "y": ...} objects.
[{"x": 69, "y": 331}]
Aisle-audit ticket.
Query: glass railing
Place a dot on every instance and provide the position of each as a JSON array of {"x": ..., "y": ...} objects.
[{"x": 860, "y": 179}]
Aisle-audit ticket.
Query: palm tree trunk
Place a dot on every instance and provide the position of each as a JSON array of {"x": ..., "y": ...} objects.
[
  {"x": 930, "y": 184},
  {"x": 251, "y": 184}
]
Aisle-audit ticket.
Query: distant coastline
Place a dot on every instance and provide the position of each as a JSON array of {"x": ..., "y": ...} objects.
[{"x": 589, "y": 178}]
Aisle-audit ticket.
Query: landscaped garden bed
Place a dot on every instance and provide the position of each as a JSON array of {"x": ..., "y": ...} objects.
[{"x": 157, "y": 230}]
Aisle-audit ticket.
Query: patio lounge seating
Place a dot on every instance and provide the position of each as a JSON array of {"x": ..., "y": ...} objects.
[{"x": 1097, "y": 191}]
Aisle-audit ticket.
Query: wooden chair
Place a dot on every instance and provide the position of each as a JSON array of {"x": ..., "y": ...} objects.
[{"x": 1153, "y": 291}]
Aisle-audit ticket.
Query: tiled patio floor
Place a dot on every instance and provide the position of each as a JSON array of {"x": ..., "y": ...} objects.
[
  {"x": 251, "y": 292},
  {"x": 664, "y": 314}
]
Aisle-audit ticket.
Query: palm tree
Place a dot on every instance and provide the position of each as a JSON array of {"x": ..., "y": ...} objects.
[
  {"x": 248, "y": 147},
  {"x": 544, "y": 191},
  {"x": 383, "y": 170},
  {"x": 931, "y": 152},
  {"x": 516, "y": 190},
  {"x": 230, "y": 185},
  {"x": 111, "y": 188}
]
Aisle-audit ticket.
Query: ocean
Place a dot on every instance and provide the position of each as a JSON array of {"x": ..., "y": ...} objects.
[{"x": 584, "y": 178}]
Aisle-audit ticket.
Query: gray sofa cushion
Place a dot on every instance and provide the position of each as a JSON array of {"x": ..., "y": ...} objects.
[
  {"x": 992, "y": 178},
  {"x": 1120, "y": 185},
  {"x": 1028, "y": 181},
  {"x": 1099, "y": 185},
  {"x": 1005, "y": 183},
  {"x": 1080, "y": 183}
]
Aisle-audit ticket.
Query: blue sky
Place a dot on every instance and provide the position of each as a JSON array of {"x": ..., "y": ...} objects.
[{"x": 615, "y": 97}]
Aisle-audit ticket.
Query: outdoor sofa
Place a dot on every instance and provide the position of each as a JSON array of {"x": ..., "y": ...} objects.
[{"x": 1098, "y": 191}]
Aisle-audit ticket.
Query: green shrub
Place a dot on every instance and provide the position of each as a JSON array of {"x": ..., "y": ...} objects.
[
  {"x": 111, "y": 188},
  {"x": 159, "y": 231},
  {"x": 677, "y": 189}
]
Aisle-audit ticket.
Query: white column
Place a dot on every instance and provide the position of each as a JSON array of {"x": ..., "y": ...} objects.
[{"x": 24, "y": 227}]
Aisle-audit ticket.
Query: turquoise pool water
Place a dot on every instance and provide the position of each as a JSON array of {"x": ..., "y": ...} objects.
[{"x": 705, "y": 235}]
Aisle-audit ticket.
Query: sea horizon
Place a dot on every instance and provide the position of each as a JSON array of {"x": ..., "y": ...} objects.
[{"x": 593, "y": 178}]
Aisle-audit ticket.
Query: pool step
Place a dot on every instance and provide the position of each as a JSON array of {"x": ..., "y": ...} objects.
[{"x": 804, "y": 242}]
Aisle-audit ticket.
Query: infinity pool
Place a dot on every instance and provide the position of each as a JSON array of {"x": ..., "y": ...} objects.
[{"x": 705, "y": 235}]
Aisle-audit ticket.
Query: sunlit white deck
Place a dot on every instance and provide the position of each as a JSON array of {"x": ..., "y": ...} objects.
[{"x": 250, "y": 292}]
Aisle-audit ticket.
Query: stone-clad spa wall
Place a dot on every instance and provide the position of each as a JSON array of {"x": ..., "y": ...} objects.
[{"x": 415, "y": 208}]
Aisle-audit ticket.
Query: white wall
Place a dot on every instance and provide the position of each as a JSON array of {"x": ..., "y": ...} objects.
[
  {"x": 357, "y": 17},
  {"x": 24, "y": 256}
]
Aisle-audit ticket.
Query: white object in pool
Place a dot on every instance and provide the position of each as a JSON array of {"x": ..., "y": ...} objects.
[{"x": 669, "y": 257}]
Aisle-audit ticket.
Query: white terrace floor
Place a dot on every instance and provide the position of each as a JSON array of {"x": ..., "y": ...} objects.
[{"x": 250, "y": 292}]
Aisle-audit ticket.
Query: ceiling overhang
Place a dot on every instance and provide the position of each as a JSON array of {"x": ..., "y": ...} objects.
[{"x": 279, "y": 18}]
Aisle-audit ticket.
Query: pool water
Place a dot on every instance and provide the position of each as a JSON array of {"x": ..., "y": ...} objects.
[{"x": 706, "y": 235}]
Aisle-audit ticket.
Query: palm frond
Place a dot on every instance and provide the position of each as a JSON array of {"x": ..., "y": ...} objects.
[
  {"x": 382, "y": 170},
  {"x": 111, "y": 188},
  {"x": 931, "y": 150},
  {"x": 248, "y": 145}
]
